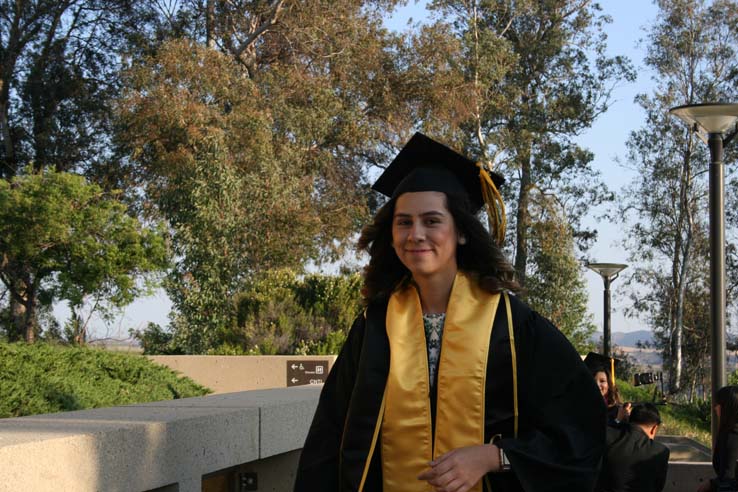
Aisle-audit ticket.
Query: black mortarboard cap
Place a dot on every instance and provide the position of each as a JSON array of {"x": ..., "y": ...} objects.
[
  {"x": 595, "y": 362},
  {"x": 426, "y": 165}
]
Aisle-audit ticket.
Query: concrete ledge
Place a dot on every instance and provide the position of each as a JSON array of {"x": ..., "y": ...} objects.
[
  {"x": 147, "y": 446},
  {"x": 171, "y": 445},
  {"x": 690, "y": 463},
  {"x": 685, "y": 449},
  {"x": 229, "y": 373},
  {"x": 684, "y": 476}
]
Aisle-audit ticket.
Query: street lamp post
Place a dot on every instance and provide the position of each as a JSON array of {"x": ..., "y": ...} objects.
[
  {"x": 608, "y": 272},
  {"x": 714, "y": 125}
]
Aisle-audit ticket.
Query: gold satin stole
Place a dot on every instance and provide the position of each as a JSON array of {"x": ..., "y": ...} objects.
[{"x": 407, "y": 438}]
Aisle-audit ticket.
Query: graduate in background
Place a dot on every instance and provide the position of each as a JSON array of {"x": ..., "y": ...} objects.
[
  {"x": 633, "y": 461},
  {"x": 725, "y": 451},
  {"x": 617, "y": 411},
  {"x": 447, "y": 381}
]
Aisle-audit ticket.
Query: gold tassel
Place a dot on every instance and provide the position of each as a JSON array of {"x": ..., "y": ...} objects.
[{"x": 495, "y": 205}]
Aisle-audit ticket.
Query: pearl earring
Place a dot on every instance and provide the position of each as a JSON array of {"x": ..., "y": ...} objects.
[{"x": 462, "y": 240}]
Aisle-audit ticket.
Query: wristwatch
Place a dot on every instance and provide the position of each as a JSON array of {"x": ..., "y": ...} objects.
[{"x": 504, "y": 461}]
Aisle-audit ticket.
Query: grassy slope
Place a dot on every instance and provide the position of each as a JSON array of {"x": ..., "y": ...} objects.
[
  {"x": 44, "y": 378},
  {"x": 678, "y": 420}
]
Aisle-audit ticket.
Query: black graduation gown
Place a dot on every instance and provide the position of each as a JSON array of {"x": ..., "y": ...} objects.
[
  {"x": 633, "y": 462},
  {"x": 562, "y": 417},
  {"x": 724, "y": 460}
]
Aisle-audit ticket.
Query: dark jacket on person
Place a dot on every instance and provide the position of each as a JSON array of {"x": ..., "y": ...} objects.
[
  {"x": 633, "y": 462},
  {"x": 612, "y": 415},
  {"x": 561, "y": 424},
  {"x": 724, "y": 461}
]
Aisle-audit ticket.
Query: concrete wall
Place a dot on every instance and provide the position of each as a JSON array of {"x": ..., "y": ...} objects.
[
  {"x": 685, "y": 476},
  {"x": 208, "y": 444},
  {"x": 167, "y": 446},
  {"x": 690, "y": 464},
  {"x": 230, "y": 373}
]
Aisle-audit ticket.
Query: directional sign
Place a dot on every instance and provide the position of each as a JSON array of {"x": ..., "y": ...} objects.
[{"x": 300, "y": 372}]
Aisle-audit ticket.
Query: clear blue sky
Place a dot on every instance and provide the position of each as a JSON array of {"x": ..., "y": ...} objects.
[{"x": 606, "y": 139}]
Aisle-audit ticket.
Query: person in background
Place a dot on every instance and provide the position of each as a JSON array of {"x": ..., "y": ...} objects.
[
  {"x": 447, "y": 381},
  {"x": 725, "y": 451},
  {"x": 617, "y": 411},
  {"x": 633, "y": 461}
]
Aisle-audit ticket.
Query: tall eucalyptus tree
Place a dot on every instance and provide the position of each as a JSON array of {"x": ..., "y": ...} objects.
[{"x": 692, "y": 54}]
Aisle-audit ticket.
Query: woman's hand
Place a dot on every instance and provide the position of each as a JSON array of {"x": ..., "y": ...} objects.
[
  {"x": 624, "y": 412},
  {"x": 459, "y": 470}
]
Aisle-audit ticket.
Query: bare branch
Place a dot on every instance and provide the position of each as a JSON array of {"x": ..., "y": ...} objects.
[{"x": 272, "y": 14}]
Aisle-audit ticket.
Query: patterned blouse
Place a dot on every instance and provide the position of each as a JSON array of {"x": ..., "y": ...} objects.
[{"x": 433, "y": 324}]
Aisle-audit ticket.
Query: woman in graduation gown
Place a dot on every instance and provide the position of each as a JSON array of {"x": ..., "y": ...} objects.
[{"x": 448, "y": 382}]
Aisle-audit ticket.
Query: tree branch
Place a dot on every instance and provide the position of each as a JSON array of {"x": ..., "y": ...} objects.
[{"x": 273, "y": 13}]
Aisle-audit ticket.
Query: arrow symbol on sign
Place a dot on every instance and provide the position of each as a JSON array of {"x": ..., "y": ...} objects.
[
  {"x": 294, "y": 366},
  {"x": 294, "y": 380}
]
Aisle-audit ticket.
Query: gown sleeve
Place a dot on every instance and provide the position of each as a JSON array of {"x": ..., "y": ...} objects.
[
  {"x": 662, "y": 467},
  {"x": 318, "y": 465},
  {"x": 727, "y": 460},
  {"x": 562, "y": 421}
]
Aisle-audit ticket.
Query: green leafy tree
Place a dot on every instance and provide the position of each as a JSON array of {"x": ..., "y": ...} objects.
[
  {"x": 252, "y": 138},
  {"x": 555, "y": 285},
  {"x": 523, "y": 79},
  {"x": 692, "y": 53},
  {"x": 513, "y": 83},
  {"x": 284, "y": 313},
  {"x": 62, "y": 238},
  {"x": 58, "y": 73},
  {"x": 203, "y": 135},
  {"x": 279, "y": 313}
]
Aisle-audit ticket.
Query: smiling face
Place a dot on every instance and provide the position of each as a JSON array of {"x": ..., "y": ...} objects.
[
  {"x": 602, "y": 383},
  {"x": 424, "y": 234}
]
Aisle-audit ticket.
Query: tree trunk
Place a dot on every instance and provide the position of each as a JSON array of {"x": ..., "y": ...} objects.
[
  {"x": 23, "y": 310},
  {"x": 679, "y": 321},
  {"x": 30, "y": 320},
  {"x": 79, "y": 332},
  {"x": 523, "y": 215},
  {"x": 30, "y": 301},
  {"x": 210, "y": 24},
  {"x": 18, "y": 316},
  {"x": 682, "y": 257},
  {"x": 9, "y": 166}
]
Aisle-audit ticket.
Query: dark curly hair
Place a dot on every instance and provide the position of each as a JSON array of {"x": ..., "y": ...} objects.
[
  {"x": 480, "y": 257},
  {"x": 727, "y": 398}
]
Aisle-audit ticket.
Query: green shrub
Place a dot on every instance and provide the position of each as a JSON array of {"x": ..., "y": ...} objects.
[
  {"x": 280, "y": 313},
  {"x": 285, "y": 314},
  {"x": 330, "y": 346},
  {"x": 45, "y": 378},
  {"x": 156, "y": 340}
]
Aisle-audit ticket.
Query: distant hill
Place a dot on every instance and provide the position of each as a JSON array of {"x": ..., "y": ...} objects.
[
  {"x": 628, "y": 342},
  {"x": 626, "y": 339},
  {"x": 631, "y": 339}
]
